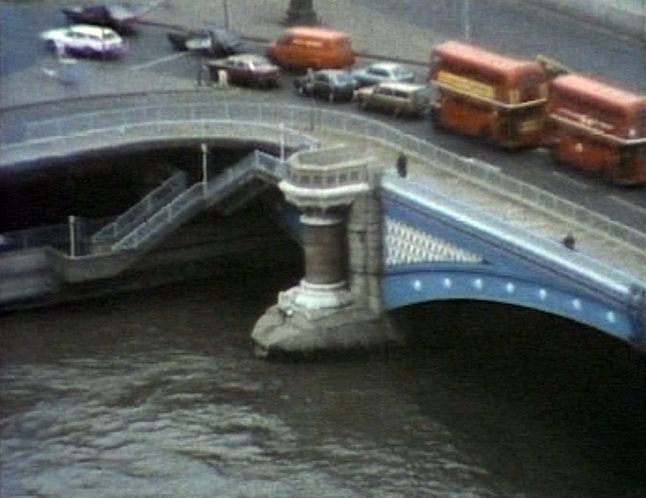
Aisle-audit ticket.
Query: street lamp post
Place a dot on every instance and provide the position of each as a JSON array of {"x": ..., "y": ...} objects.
[
  {"x": 205, "y": 167},
  {"x": 225, "y": 8},
  {"x": 466, "y": 19},
  {"x": 301, "y": 12}
]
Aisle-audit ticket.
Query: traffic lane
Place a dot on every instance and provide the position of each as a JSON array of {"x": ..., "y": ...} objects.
[
  {"x": 20, "y": 46},
  {"x": 536, "y": 167},
  {"x": 518, "y": 28},
  {"x": 151, "y": 52},
  {"x": 533, "y": 166}
]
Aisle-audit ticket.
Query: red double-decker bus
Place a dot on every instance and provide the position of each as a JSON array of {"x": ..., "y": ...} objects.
[
  {"x": 482, "y": 93},
  {"x": 598, "y": 128}
]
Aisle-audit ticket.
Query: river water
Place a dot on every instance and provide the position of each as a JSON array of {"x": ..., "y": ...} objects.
[{"x": 156, "y": 393}]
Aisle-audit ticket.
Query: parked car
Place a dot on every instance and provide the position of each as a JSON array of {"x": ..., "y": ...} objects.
[
  {"x": 381, "y": 72},
  {"x": 219, "y": 42},
  {"x": 400, "y": 98},
  {"x": 331, "y": 84},
  {"x": 245, "y": 69},
  {"x": 85, "y": 40}
]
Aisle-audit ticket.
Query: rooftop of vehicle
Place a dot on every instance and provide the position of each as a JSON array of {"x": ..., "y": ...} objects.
[
  {"x": 401, "y": 86},
  {"x": 335, "y": 72},
  {"x": 596, "y": 90},
  {"x": 249, "y": 58},
  {"x": 90, "y": 29},
  {"x": 315, "y": 32},
  {"x": 385, "y": 65},
  {"x": 472, "y": 54}
]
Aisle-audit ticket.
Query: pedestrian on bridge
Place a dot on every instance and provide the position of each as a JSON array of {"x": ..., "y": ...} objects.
[{"x": 402, "y": 165}]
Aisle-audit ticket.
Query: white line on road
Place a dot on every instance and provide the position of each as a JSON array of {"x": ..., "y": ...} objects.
[
  {"x": 628, "y": 204},
  {"x": 482, "y": 164},
  {"x": 159, "y": 61},
  {"x": 563, "y": 177}
]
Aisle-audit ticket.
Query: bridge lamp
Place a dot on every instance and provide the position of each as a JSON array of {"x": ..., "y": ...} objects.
[{"x": 205, "y": 152}]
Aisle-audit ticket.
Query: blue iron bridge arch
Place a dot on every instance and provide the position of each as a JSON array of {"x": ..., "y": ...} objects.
[{"x": 435, "y": 248}]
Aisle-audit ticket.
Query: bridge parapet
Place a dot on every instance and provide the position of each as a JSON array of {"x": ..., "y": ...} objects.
[{"x": 299, "y": 127}]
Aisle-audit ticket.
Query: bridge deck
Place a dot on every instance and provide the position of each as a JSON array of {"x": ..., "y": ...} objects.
[{"x": 476, "y": 184}]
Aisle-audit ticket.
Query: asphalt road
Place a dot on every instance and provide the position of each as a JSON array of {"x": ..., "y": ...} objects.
[{"x": 498, "y": 24}]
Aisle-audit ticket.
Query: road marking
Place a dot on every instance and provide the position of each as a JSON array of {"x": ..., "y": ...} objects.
[
  {"x": 159, "y": 61},
  {"x": 628, "y": 204},
  {"x": 482, "y": 164},
  {"x": 563, "y": 177}
]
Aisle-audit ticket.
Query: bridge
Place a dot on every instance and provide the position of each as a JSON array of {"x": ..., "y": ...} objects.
[{"x": 373, "y": 240}]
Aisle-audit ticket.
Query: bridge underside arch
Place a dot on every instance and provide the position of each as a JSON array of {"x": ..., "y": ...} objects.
[
  {"x": 436, "y": 248},
  {"x": 481, "y": 284}
]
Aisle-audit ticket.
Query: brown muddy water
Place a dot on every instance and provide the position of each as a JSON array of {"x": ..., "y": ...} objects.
[{"x": 156, "y": 393}]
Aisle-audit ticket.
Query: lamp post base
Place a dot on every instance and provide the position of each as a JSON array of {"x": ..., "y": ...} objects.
[{"x": 301, "y": 16}]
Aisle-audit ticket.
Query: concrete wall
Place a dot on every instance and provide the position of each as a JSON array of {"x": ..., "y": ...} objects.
[{"x": 626, "y": 16}]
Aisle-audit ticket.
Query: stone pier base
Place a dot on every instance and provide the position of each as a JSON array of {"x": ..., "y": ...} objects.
[{"x": 281, "y": 331}]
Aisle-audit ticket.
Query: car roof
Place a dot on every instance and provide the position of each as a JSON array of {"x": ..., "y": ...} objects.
[
  {"x": 405, "y": 87},
  {"x": 333, "y": 72},
  {"x": 90, "y": 29},
  {"x": 248, "y": 58},
  {"x": 386, "y": 65}
]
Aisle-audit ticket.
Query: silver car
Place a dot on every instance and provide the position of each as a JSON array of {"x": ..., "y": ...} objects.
[
  {"x": 381, "y": 72},
  {"x": 399, "y": 98}
]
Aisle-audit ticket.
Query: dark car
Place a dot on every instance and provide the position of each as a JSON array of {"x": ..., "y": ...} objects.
[
  {"x": 331, "y": 84},
  {"x": 245, "y": 69},
  {"x": 119, "y": 17},
  {"x": 218, "y": 42}
]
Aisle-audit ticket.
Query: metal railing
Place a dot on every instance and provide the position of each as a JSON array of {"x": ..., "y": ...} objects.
[
  {"x": 302, "y": 127},
  {"x": 138, "y": 213},
  {"x": 198, "y": 195},
  {"x": 57, "y": 236}
]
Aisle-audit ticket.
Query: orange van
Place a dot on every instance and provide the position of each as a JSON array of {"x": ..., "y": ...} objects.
[{"x": 316, "y": 48}]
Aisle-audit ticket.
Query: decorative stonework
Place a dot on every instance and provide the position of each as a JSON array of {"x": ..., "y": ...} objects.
[{"x": 404, "y": 244}]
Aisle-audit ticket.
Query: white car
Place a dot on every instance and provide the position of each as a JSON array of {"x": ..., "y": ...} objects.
[
  {"x": 84, "y": 40},
  {"x": 381, "y": 72}
]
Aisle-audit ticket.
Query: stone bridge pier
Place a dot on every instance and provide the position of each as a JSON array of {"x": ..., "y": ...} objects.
[{"x": 337, "y": 303}]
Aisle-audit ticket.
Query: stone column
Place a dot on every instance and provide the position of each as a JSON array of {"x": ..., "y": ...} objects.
[
  {"x": 325, "y": 248},
  {"x": 321, "y": 313}
]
